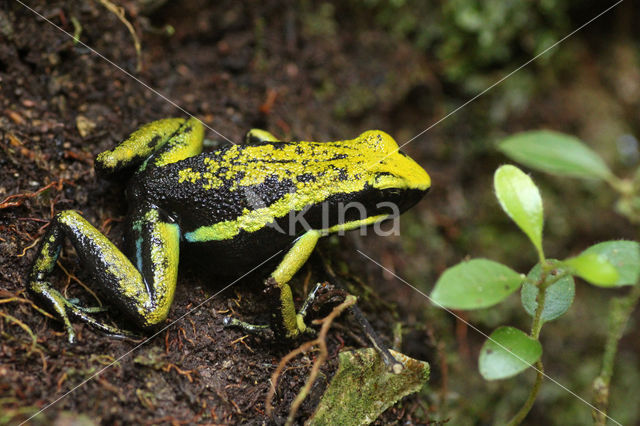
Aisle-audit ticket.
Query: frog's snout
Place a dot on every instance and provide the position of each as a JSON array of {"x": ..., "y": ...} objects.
[
  {"x": 401, "y": 172},
  {"x": 413, "y": 174}
]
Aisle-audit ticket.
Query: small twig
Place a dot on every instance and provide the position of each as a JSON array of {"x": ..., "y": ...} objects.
[
  {"x": 180, "y": 371},
  {"x": 77, "y": 29},
  {"x": 391, "y": 363},
  {"x": 25, "y": 327},
  {"x": 184, "y": 334},
  {"x": 241, "y": 340},
  {"x": 119, "y": 12},
  {"x": 520, "y": 415},
  {"x": 7, "y": 202},
  {"x": 321, "y": 342},
  {"x": 83, "y": 285},
  {"x": 619, "y": 312},
  {"x": 110, "y": 387},
  {"x": 30, "y": 246},
  {"x": 33, "y": 305},
  {"x": 105, "y": 228}
]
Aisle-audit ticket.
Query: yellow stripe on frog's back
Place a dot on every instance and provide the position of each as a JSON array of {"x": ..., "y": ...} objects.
[{"x": 326, "y": 162}]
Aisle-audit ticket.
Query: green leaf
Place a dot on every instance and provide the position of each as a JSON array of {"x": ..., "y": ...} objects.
[
  {"x": 558, "y": 297},
  {"x": 593, "y": 268},
  {"x": 624, "y": 256},
  {"x": 477, "y": 283},
  {"x": 520, "y": 199},
  {"x": 556, "y": 153},
  {"x": 507, "y": 352}
]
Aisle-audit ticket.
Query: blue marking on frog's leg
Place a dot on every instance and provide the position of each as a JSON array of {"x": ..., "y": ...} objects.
[{"x": 145, "y": 297}]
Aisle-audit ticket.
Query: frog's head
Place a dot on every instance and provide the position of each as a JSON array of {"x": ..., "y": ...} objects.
[{"x": 393, "y": 174}]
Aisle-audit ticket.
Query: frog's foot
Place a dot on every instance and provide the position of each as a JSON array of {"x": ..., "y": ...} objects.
[
  {"x": 87, "y": 309},
  {"x": 109, "y": 330},
  {"x": 264, "y": 329},
  {"x": 63, "y": 308},
  {"x": 258, "y": 329},
  {"x": 301, "y": 327}
]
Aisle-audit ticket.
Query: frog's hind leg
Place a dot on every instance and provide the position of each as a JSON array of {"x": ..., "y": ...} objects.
[
  {"x": 145, "y": 297},
  {"x": 155, "y": 144},
  {"x": 184, "y": 143}
]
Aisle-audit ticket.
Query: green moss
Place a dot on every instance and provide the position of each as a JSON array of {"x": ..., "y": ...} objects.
[{"x": 363, "y": 388}]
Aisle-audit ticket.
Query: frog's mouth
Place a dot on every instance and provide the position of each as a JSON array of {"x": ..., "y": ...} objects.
[{"x": 404, "y": 199}]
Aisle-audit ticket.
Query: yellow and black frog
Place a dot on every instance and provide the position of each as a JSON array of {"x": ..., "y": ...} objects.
[{"x": 233, "y": 203}]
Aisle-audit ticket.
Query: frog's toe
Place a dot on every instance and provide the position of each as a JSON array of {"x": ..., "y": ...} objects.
[
  {"x": 231, "y": 322},
  {"x": 80, "y": 313},
  {"x": 53, "y": 301},
  {"x": 71, "y": 336},
  {"x": 87, "y": 309},
  {"x": 310, "y": 331}
]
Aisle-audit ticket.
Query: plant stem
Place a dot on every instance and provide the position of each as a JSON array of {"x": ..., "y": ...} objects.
[
  {"x": 620, "y": 309},
  {"x": 541, "y": 258},
  {"x": 542, "y": 285},
  {"x": 520, "y": 415},
  {"x": 624, "y": 187},
  {"x": 536, "y": 326}
]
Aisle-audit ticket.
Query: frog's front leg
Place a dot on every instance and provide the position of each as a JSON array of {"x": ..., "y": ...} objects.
[
  {"x": 285, "y": 322},
  {"x": 143, "y": 291}
]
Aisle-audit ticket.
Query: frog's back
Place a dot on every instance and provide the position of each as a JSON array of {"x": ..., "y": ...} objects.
[
  {"x": 245, "y": 187},
  {"x": 260, "y": 197}
]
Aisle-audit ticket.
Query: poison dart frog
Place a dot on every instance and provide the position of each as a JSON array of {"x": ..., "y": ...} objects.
[{"x": 234, "y": 203}]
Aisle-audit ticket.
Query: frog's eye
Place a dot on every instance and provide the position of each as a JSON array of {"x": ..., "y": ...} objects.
[{"x": 378, "y": 141}]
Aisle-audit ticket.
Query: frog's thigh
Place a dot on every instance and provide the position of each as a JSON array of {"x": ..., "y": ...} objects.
[
  {"x": 157, "y": 251},
  {"x": 138, "y": 146},
  {"x": 292, "y": 262},
  {"x": 113, "y": 271}
]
